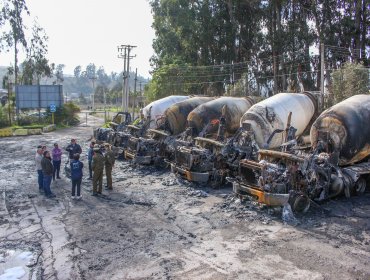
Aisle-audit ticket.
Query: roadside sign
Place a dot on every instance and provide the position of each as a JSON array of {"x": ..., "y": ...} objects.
[{"x": 53, "y": 108}]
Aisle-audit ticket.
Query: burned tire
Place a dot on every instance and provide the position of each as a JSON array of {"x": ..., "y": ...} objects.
[{"x": 300, "y": 203}]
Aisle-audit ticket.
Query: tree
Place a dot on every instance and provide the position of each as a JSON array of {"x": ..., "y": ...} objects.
[
  {"x": 59, "y": 73},
  {"x": 102, "y": 77},
  {"x": 11, "y": 14},
  {"x": 204, "y": 46},
  {"x": 351, "y": 79},
  {"x": 90, "y": 71},
  {"x": 77, "y": 72},
  {"x": 100, "y": 92},
  {"x": 36, "y": 64},
  {"x": 82, "y": 99}
]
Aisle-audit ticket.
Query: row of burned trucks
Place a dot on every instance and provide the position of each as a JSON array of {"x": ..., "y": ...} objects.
[{"x": 283, "y": 149}]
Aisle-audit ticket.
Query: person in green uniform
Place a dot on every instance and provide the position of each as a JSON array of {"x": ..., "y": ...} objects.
[
  {"x": 98, "y": 168},
  {"x": 109, "y": 163}
]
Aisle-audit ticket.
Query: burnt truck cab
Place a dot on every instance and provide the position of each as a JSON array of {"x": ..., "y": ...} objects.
[
  {"x": 134, "y": 137},
  {"x": 146, "y": 150},
  {"x": 199, "y": 163},
  {"x": 118, "y": 124},
  {"x": 273, "y": 179},
  {"x": 299, "y": 177},
  {"x": 211, "y": 160}
]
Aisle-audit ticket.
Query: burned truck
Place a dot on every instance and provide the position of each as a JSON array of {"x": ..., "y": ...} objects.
[
  {"x": 337, "y": 163},
  {"x": 148, "y": 118},
  {"x": 267, "y": 124},
  {"x": 119, "y": 123},
  {"x": 152, "y": 147},
  {"x": 215, "y": 122}
]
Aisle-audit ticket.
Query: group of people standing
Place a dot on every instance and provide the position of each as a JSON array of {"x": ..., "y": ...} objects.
[
  {"x": 98, "y": 159},
  {"x": 48, "y": 167}
]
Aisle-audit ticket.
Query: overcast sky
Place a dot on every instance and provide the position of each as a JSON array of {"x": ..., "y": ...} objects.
[{"x": 89, "y": 31}]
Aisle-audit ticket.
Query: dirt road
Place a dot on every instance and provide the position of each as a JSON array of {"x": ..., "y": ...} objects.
[{"x": 154, "y": 226}]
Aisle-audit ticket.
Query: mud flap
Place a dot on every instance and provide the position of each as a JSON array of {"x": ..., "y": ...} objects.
[
  {"x": 270, "y": 199},
  {"x": 189, "y": 175}
]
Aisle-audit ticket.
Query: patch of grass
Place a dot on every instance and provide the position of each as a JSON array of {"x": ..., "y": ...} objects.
[
  {"x": 33, "y": 126},
  {"x": 59, "y": 126}
]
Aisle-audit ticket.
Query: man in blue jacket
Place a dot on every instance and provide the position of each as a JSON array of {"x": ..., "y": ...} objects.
[{"x": 76, "y": 175}]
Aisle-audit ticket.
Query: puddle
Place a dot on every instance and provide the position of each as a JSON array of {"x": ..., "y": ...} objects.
[{"x": 14, "y": 264}]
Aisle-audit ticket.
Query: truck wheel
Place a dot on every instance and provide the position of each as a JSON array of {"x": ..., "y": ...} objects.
[{"x": 299, "y": 202}]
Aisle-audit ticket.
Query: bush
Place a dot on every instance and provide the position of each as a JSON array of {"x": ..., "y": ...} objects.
[
  {"x": 3, "y": 117},
  {"x": 27, "y": 120},
  {"x": 66, "y": 115}
]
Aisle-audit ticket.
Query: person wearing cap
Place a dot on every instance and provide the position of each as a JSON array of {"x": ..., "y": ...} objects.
[
  {"x": 109, "y": 163},
  {"x": 38, "y": 159},
  {"x": 47, "y": 170},
  {"x": 56, "y": 154},
  {"x": 90, "y": 155},
  {"x": 73, "y": 149},
  {"x": 98, "y": 169},
  {"x": 76, "y": 176}
]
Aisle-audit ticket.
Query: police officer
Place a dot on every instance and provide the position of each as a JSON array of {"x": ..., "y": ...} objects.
[
  {"x": 97, "y": 165},
  {"x": 109, "y": 163}
]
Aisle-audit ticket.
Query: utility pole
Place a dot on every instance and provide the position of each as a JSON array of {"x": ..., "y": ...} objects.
[
  {"x": 128, "y": 73},
  {"x": 93, "y": 78},
  {"x": 124, "y": 52},
  {"x": 141, "y": 94},
  {"x": 134, "y": 104}
]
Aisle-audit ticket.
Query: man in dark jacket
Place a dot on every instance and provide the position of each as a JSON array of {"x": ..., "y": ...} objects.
[
  {"x": 47, "y": 171},
  {"x": 98, "y": 168},
  {"x": 73, "y": 149},
  {"x": 76, "y": 175}
]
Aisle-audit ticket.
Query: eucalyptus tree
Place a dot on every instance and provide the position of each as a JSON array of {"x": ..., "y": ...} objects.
[{"x": 13, "y": 28}]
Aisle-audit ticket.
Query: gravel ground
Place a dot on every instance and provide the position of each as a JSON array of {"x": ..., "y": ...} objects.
[{"x": 156, "y": 226}]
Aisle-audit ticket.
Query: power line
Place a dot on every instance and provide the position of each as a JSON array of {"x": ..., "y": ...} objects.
[{"x": 228, "y": 64}]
